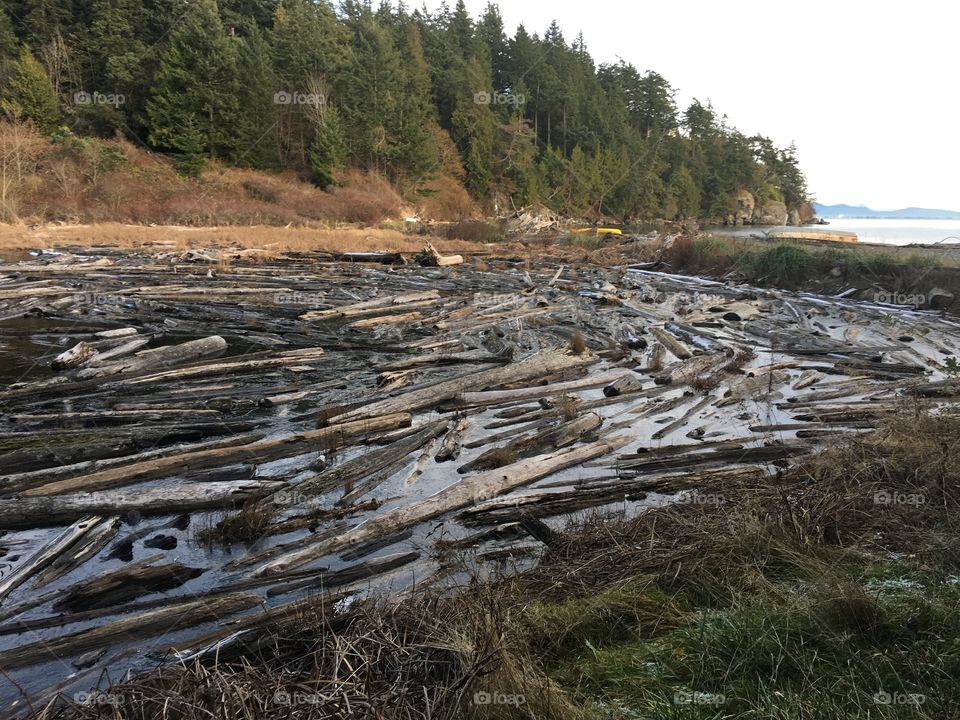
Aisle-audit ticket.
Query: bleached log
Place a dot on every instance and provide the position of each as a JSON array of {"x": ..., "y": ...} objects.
[
  {"x": 47, "y": 553},
  {"x": 375, "y": 306},
  {"x": 166, "y": 356},
  {"x": 623, "y": 384},
  {"x": 256, "y": 452},
  {"x": 128, "y": 629},
  {"x": 385, "y": 320},
  {"x": 82, "y": 550},
  {"x": 430, "y": 257},
  {"x": 459, "y": 495},
  {"x": 496, "y": 397},
  {"x": 450, "y": 449},
  {"x": 676, "y": 347},
  {"x": 539, "y": 365},
  {"x": 77, "y": 355},
  {"x": 185, "y": 497}
]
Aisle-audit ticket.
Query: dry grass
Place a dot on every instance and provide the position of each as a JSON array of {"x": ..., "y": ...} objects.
[
  {"x": 179, "y": 237},
  {"x": 247, "y": 525}
]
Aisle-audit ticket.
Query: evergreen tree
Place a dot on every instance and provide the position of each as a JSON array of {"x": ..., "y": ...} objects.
[
  {"x": 256, "y": 138},
  {"x": 473, "y": 129},
  {"x": 194, "y": 106},
  {"x": 30, "y": 94},
  {"x": 328, "y": 149}
]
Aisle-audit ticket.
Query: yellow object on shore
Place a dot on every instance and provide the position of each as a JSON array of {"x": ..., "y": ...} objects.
[{"x": 598, "y": 231}]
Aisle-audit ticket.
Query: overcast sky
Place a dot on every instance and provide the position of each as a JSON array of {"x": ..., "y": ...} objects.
[{"x": 868, "y": 91}]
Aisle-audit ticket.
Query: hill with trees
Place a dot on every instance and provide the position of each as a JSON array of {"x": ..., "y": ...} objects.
[{"x": 431, "y": 102}]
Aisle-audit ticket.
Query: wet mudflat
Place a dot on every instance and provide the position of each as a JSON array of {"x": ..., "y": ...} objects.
[{"x": 191, "y": 442}]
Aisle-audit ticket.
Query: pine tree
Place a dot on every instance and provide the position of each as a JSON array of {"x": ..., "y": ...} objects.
[
  {"x": 309, "y": 56},
  {"x": 194, "y": 105},
  {"x": 9, "y": 47},
  {"x": 30, "y": 94},
  {"x": 473, "y": 129},
  {"x": 417, "y": 155},
  {"x": 256, "y": 139},
  {"x": 328, "y": 149}
]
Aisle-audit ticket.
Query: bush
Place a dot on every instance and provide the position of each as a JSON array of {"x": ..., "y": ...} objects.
[{"x": 783, "y": 264}]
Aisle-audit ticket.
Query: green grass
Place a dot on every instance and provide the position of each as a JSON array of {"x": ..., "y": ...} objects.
[
  {"x": 822, "y": 650},
  {"x": 783, "y": 265}
]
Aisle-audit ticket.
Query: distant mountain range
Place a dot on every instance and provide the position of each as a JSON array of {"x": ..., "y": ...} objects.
[{"x": 860, "y": 211}]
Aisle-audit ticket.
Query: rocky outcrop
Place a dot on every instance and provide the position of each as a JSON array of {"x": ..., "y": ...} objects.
[
  {"x": 772, "y": 212},
  {"x": 793, "y": 218},
  {"x": 746, "y": 206}
]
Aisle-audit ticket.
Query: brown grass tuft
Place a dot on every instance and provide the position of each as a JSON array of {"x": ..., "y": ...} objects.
[{"x": 578, "y": 346}]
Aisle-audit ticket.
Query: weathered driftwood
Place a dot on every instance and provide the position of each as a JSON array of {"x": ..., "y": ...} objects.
[
  {"x": 543, "y": 363},
  {"x": 461, "y": 494},
  {"x": 256, "y": 452},
  {"x": 185, "y": 497},
  {"x": 497, "y": 397},
  {"x": 808, "y": 378},
  {"x": 18, "y": 482},
  {"x": 161, "y": 357},
  {"x": 368, "y": 464},
  {"x": 683, "y": 419},
  {"x": 623, "y": 384},
  {"x": 47, "y": 553},
  {"x": 590, "y": 494},
  {"x": 77, "y": 355},
  {"x": 764, "y": 453},
  {"x": 528, "y": 445},
  {"x": 450, "y": 448},
  {"x": 118, "y": 351},
  {"x": 121, "y": 586},
  {"x": 286, "y": 359},
  {"x": 385, "y": 320},
  {"x": 429, "y": 257},
  {"x": 671, "y": 343},
  {"x": 129, "y": 629},
  {"x": 375, "y": 306},
  {"x": 326, "y": 580},
  {"x": 82, "y": 550}
]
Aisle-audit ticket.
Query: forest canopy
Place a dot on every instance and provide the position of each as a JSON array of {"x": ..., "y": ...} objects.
[{"x": 303, "y": 86}]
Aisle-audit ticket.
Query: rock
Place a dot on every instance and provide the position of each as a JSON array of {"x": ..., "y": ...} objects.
[
  {"x": 743, "y": 215},
  {"x": 772, "y": 212},
  {"x": 938, "y": 298},
  {"x": 793, "y": 218}
]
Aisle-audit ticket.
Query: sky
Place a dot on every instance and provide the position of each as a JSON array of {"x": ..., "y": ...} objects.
[{"x": 868, "y": 91}]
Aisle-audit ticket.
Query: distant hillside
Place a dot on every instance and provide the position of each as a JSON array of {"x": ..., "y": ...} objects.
[{"x": 860, "y": 211}]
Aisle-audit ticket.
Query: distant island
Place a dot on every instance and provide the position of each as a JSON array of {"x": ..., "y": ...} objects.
[{"x": 860, "y": 211}]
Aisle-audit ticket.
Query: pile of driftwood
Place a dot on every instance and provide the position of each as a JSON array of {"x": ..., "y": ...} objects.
[{"x": 188, "y": 448}]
